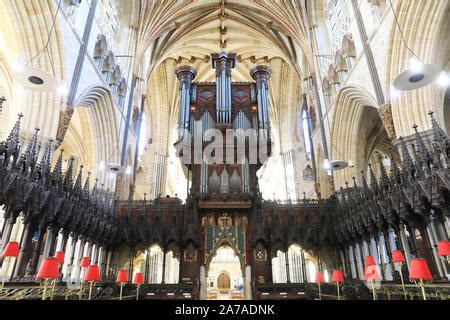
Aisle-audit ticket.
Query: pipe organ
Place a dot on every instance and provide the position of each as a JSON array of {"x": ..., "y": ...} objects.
[
  {"x": 223, "y": 63},
  {"x": 210, "y": 109},
  {"x": 227, "y": 115}
]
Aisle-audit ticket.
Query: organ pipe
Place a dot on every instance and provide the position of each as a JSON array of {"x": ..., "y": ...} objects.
[
  {"x": 186, "y": 75},
  {"x": 261, "y": 74},
  {"x": 223, "y": 63}
]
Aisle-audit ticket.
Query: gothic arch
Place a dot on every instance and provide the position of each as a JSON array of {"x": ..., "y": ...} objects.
[
  {"x": 93, "y": 131},
  {"x": 226, "y": 243},
  {"x": 357, "y": 131}
]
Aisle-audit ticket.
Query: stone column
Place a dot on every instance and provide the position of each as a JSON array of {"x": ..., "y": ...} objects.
[
  {"x": 385, "y": 257},
  {"x": 360, "y": 264},
  {"x": 288, "y": 273},
  {"x": 404, "y": 242},
  {"x": 77, "y": 267},
  {"x": 131, "y": 269},
  {"x": 7, "y": 229},
  {"x": 94, "y": 254},
  {"x": 352, "y": 262},
  {"x": 71, "y": 257},
  {"x": 36, "y": 253},
  {"x": 434, "y": 252},
  {"x": 378, "y": 256},
  {"x": 27, "y": 234},
  {"x": 49, "y": 239},
  {"x": 107, "y": 264},
  {"x": 203, "y": 284},
  {"x": 248, "y": 294},
  {"x": 164, "y": 268},
  {"x": 436, "y": 228}
]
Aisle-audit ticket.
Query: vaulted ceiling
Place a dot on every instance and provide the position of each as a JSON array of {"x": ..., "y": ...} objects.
[{"x": 174, "y": 33}]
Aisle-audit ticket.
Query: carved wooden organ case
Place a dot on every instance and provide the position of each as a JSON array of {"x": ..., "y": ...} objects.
[{"x": 241, "y": 109}]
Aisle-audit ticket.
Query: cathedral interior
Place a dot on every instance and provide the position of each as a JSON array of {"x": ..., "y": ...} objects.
[{"x": 225, "y": 150}]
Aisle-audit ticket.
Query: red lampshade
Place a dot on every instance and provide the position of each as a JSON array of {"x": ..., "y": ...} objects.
[
  {"x": 92, "y": 274},
  {"x": 138, "y": 278},
  {"x": 370, "y": 261},
  {"x": 397, "y": 256},
  {"x": 418, "y": 270},
  {"x": 49, "y": 269},
  {"x": 337, "y": 276},
  {"x": 60, "y": 257},
  {"x": 122, "y": 277},
  {"x": 371, "y": 273},
  {"x": 319, "y": 277},
  {"x": 84, "y": 262},
  {"x": 444, "y": 248},
  {"x": 11, "y": 250}
]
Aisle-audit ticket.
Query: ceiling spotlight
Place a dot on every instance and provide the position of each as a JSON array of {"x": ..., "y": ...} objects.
[
  {"x": 418, "y": 75},
  {"x": 443, "y": 80}
]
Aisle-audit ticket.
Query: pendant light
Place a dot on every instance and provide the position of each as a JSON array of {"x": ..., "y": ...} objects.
[{"x": 418, "y": 74}]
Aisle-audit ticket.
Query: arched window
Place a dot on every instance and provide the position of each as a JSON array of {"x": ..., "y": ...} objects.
[{"x": 338, "y": 20}]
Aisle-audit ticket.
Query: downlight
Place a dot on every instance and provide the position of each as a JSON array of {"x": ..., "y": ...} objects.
[
  {"x": 35, "y": 79},
  {"x": 337, "y": 165},
  {"x": 417, "y": 76}
]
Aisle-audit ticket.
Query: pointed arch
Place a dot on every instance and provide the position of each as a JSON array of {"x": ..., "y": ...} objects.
[
  {"x": 357, "y": 131},
  {"x": 93, "y": 133}
]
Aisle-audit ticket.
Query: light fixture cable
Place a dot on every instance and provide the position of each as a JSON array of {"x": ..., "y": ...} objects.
[
  {"x": 401, "y": 32},
  {"x": 45, "y": 48}
]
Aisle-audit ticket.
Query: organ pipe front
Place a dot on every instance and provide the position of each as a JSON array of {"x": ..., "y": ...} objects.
[{"x": 207, "y": 109}]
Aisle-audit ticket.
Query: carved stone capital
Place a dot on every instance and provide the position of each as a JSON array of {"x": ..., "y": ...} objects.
[
  {"x": 64, "y": 121},
  {"x": 385, "y": 112}
]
